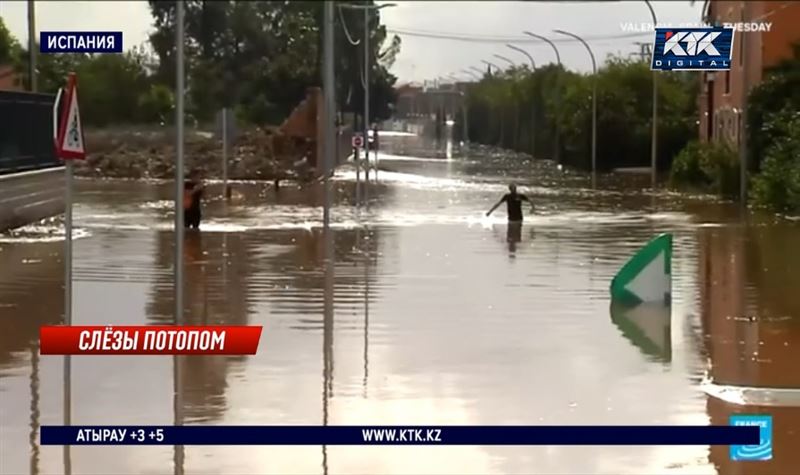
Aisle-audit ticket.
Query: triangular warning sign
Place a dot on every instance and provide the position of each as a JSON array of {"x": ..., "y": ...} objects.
[{"x": 70, "y": 143}]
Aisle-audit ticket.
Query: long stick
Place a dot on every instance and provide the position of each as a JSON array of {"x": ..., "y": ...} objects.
[
  {"x": 32, "y": 45},
  {"x": 225, "y": 152},
  {"x": 179, "y": 223},
  {"x": 67, "y": 303},
  {"x": 366, "y": 104},
  {"x": 328, "y": 89}
]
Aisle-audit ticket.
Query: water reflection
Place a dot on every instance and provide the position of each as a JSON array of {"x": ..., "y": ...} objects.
[
  {"x": 751, "y": 336},
  {"x": 327, "y": 334},
  {"x": 216, "y": 271},
  {"x": 513, "y": 236},
  {"x": 35, "y": 412},
  {"x": 646, "y": 326},
  {"x": 431, "y": 322}
]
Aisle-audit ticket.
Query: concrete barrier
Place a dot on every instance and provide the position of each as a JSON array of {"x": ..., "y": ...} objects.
[{"x": 27, "y": 197}]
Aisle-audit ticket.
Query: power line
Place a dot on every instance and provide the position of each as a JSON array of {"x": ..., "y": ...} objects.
[{"x": 505, "y": 39}]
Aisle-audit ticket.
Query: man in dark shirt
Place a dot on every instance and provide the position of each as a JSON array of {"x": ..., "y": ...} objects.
[
  {"x": 192, "y": 194},
  {"x": 513, "y": 202}
]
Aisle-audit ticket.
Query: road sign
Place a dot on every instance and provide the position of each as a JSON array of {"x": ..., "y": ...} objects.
[
  {"x": 70, "y": 142},
  {"x": 647, "y": 277},
  {"x": 358, "y": 141}
]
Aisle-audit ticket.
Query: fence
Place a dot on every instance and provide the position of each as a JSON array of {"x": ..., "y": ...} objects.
[{"x": 26, "y": 132}]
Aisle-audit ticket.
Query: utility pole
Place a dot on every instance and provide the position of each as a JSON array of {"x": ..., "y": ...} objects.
[
  {"x": 556, "y": 139},
  {"x": 328, "y": 85},
  {"x": 32, "y": 46},
  {"x": 654, "y": 140},
  {"x": 743, "y": 126},
  {"x": 366, "y": 101}
]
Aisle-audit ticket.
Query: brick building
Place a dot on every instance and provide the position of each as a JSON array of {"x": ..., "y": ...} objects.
[
  {"x": 720, "y": 101},
  {"x": 9, "y": 79}
]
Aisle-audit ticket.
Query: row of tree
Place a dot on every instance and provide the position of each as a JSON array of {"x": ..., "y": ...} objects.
[
  {"x": 548, "y": 113},
  {"x": 256, "y": 57}
]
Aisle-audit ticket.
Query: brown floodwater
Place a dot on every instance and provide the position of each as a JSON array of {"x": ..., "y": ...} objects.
[{"x": 414, "y": 310}]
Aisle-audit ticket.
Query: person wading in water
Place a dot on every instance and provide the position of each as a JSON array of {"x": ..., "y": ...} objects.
[
  {"x": 513, "y": 202},
  {"x": 192, "y": 194}
]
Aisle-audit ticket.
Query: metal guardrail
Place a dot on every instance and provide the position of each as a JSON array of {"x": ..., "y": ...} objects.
[{"x": 26, "y": 132}]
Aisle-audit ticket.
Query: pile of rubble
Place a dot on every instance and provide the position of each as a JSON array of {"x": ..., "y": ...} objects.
[{"x": 256, "y": 154}]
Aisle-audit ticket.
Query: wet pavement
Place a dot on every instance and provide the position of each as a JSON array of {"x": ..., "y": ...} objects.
[{"x": 428, "y": 313}]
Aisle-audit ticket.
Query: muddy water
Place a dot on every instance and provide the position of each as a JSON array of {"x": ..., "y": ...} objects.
[{"x": 429, "y": 313}]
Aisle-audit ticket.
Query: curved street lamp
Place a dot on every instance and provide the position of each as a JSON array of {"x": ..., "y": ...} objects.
[
  {"x": 478, "y": 70},
  {"x": 491, "y": 65},
  {"x": 471, "y": 73},
  {"x": 520, "y": 50},
  {"x": 533, "y": 101},
  {"x": 500, "y": 56},
  {"x": 594, "y": 99},
  {"x": 557, "y": 138},
  {"x": 502, "y": 125}
]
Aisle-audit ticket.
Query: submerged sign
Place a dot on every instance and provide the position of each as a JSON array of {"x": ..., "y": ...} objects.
[
  {"x": 647, "y": 276},
  {"x": 693, "y": 49}
]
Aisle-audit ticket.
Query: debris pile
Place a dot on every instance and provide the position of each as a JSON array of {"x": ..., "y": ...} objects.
[{"x": 256, "y": 154}]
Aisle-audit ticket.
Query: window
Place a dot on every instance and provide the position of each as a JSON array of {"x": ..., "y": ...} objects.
[{"x": 727, "y": 82}]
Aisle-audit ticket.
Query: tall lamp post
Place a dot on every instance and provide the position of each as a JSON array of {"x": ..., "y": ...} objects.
[
  {"x": 557, "y": 155},
  {"x": 515, "y": 142},
  {"x": 502, "y": 122},
  {"x": 654, "y": 140},
  {"x": 594, "y": 101},
  {"x": 500, "y": 56},
  {"x": 472, "y": 74},
  {"x": 533, "y": 99},
  {"x": 32, "y": 46}
]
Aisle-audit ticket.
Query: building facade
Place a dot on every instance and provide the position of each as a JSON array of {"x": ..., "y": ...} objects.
[
  {"x": 721, "y": 97},
  {"x": 9, "y": 79}
]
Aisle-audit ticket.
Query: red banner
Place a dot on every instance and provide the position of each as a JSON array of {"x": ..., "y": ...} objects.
[{"x": 149, "y": 340}]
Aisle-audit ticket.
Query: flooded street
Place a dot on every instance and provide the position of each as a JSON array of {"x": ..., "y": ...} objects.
[{"x": 429, "y": 313}]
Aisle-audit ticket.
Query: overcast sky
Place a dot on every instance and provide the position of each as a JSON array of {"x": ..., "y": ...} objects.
[{"x": 421, "y": 57}]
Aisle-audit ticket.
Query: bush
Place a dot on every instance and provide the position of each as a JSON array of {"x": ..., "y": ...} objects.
[
  {"x": 777, "y": 186},
  {"x": 707, "y": 166}
]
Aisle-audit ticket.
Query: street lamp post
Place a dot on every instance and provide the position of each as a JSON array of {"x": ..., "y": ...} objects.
[
  {"x": 533, "y": 99},
  {"x": 502, "y": 121},
  {"x": 473, "y": 74},
  {"x": 557, "y": 155},
  {"x": 654, "y": 140},
  {"x": 500, "y": 56},
  {"x": 32, "y": 46},
  {"x": 329, "y": 98},
  {"x": 594, "y": 101},
  {"x": 515, "y": 141}
]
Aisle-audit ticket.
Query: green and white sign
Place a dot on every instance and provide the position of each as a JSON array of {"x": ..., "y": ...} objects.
[{"x": 647, "y": 277}]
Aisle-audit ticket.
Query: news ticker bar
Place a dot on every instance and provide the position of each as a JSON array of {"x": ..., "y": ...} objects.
[
  {"x": 149, "y": 340},
  {"x": 400, "y": 435}
]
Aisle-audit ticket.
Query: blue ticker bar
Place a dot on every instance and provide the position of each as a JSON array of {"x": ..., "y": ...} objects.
[{"x": 400, "y": 435}]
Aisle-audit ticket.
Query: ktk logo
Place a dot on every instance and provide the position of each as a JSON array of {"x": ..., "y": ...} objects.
[
  {"x": 692, "y": 49},
  {"x": 696, "y": 42}
]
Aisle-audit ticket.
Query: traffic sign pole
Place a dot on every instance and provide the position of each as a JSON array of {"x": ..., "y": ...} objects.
[{"x": 70, "y": 145}]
